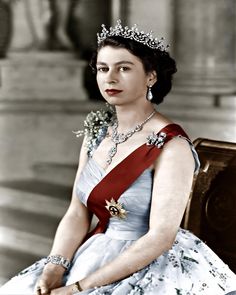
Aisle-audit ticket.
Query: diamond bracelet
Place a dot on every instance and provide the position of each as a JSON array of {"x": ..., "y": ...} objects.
[{"x": 58, "y": 260}]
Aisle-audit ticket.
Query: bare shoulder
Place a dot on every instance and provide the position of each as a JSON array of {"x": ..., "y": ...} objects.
[
  {"x": 178, "y": 145},
  {"x": 159, "y": 121},
  {"x": 161, "y": 118},
  {"x": 177, "y": 153}
]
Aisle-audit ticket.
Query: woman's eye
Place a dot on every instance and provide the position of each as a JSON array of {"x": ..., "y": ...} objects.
[
  {"x": 124, "y": 69},
  {"x": 102, "y": 69}
]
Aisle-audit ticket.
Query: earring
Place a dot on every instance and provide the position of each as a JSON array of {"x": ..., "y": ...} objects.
[{"x": 149, "y": 95}]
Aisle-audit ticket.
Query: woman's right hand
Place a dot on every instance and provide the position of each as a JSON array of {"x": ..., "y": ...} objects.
[{"x": 50, "y": 279}]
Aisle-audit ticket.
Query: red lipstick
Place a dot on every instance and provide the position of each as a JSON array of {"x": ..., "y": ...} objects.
[{"x": 112, "y": 92}]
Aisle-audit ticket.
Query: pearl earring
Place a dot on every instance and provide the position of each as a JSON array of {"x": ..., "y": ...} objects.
[{"x": 149, "y": 95}]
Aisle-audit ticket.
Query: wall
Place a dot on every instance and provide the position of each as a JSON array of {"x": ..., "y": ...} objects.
[{"x": 42, "y": 100}]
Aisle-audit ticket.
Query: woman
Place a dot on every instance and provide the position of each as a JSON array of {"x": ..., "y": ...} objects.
[{"x": 135, "y": 173}]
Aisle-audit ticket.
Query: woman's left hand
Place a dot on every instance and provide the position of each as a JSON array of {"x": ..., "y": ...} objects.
[{"x": 66, "y": 290}]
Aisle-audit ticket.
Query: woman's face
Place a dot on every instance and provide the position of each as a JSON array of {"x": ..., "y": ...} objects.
[{"x": 121, "y": 77}]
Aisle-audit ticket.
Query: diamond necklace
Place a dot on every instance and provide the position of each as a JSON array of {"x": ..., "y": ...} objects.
[{"x": 118, "y": 138}]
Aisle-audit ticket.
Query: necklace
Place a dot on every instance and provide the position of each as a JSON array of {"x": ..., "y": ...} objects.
[{"x": 118, "y": 138}]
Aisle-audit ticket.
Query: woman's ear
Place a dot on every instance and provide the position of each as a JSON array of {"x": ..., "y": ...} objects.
[{"x": 152, "y": 78}]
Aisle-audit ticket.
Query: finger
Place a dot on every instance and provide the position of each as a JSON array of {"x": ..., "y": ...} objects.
[
  {"x": 44, "y": 290},
  {"x": 38, "y": 290}
]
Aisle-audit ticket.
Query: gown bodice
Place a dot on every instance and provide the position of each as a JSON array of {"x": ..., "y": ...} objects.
[{"x": 135, "y": 200}]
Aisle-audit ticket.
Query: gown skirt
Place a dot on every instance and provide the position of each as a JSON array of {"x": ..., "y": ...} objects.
[{"x": 190, "y": 267}]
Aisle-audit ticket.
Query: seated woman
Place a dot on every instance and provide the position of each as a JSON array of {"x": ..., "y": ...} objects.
[{"x": 135, "y": 174}]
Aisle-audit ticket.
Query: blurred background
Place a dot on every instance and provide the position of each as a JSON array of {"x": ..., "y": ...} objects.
[{"x": 46, "y": 90}]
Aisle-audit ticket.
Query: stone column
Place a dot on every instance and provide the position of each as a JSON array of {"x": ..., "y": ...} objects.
[
  {"x": 205, "y": 46},
  {"x": 155, "y": 15},
  {"x": 119, "y": 10}
]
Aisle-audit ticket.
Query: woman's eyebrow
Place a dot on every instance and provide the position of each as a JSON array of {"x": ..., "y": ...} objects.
[
  {"x": 124, "y": 62},
  {"x": 117, "y": 63}
]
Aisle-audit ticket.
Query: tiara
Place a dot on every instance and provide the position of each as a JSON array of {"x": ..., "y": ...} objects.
[{"x": 133, "y": 34}]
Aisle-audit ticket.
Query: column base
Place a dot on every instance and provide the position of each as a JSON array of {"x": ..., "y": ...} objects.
[{"x": 214, "y": 84}]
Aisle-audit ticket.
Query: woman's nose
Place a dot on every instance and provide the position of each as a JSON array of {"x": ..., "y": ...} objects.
[{"x": 111, "y": 76}]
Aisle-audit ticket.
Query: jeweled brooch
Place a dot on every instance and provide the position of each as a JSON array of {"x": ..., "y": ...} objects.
[
  {"x": 116, "y": 209},
  {"x": 156, "y": 139}
]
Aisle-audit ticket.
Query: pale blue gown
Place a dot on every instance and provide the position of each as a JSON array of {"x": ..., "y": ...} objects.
[{"x": 188, "y": 268}]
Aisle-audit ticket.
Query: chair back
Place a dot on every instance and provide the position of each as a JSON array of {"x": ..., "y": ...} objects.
[{"x": 211, "y": 211}]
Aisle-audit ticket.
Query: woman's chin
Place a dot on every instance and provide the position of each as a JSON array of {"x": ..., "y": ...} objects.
[{"x": 112, "y": 100}]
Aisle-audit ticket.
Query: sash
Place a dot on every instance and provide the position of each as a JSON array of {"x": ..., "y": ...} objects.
[{"x": 125, "y": 173}]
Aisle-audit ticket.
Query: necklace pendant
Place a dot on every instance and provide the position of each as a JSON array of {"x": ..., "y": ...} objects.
[
  {"x": 111, "y": 154},
  {"x": 112, "y": 151}
]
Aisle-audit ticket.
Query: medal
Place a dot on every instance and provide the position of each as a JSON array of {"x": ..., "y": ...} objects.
[{"x": 116, "y": 209}]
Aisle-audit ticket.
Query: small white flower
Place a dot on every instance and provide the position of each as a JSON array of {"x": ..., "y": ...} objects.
[{"x": 94, "y": 124}]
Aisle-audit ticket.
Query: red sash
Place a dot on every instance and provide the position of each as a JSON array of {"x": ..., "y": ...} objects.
[{"x": 124, "y": 174}]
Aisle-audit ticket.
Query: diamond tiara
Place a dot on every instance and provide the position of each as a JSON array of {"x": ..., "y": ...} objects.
[{"x": 133, "y": 34}]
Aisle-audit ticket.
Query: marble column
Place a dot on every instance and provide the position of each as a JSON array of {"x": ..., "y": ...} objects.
[
  {"x": 119, "y": 10},
  {"x": 155, "y": 15},
  {"x": 205, "y": 45}
]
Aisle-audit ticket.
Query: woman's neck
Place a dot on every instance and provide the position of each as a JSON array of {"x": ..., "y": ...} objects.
[{"x": 128, "y": 118}]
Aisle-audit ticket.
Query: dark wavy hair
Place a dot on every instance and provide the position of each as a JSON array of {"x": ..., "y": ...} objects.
[{"x": 152, "y": 59}]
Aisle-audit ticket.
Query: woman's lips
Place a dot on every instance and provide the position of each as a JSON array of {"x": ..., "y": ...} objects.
[{"x": 111, "y": 92}]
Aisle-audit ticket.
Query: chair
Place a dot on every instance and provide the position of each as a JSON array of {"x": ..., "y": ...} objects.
[{"x": 211, "y": 211}]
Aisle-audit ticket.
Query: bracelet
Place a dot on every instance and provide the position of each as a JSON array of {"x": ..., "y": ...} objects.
[
  {"x": 77, "y": 285},
  {"x": 58, "y": 260}
]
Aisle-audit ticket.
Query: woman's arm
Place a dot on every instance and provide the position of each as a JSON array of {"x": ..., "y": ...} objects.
[
  {"x": 76, "y": 221},
  {"x": 172, "y": 185},
  {"x": 69, "y": 235}
]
